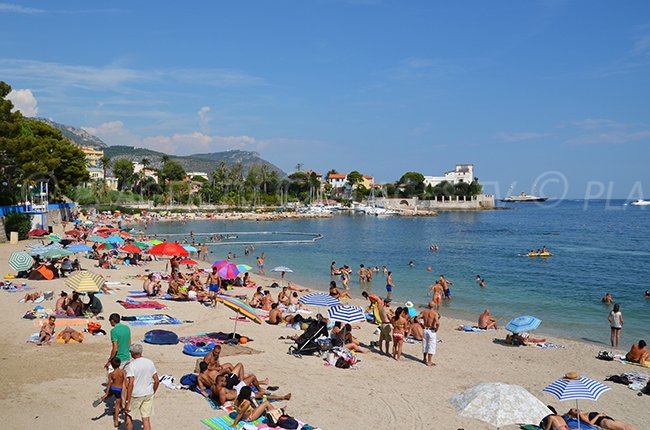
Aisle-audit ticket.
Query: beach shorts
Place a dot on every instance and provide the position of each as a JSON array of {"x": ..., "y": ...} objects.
[
  {"x": 389, "y": 288},
  {"x": 437, "y": 298},
  {"x": 447, "y": 293},
  {"x": 116, "y": 392},
  {"x": 144, "y": 406},
  {"x": 213, "y": 288},
  {"x": 429, "y": 341},
  {"x": 384, "y": 332}
]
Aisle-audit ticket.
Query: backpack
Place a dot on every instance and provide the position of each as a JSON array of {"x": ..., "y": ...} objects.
[
  {"x": 605, "y": 355},
  {"x": 287, "y": 422}
]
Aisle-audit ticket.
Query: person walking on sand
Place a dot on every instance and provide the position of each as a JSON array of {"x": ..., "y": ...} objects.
[
  {"x": 400, "y": 324},
  {"x": 141, "y": 385},
  {"x": 616, "y": 324},
  {"x": 389, "y": 285},
  {"x": 431, "y": 323},
  {"x": 120, "y": 340}
]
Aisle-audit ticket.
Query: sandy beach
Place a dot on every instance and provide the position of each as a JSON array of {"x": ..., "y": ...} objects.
[{"x": 55, "y": 385}]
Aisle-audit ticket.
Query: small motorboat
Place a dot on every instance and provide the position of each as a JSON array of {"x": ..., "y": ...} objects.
[{"x": 641, "y": 202}]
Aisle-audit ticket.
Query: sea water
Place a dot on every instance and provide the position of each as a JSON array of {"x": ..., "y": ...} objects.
[{"x": 597, "y": 247}]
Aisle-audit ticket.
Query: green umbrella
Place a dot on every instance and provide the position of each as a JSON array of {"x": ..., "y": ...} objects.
[
  {"x": 142, "y": 245},
  {"x": 57, "y": 253},
  {"x": 54, "y": 238},
  {"x": 20, "y": 261},
  {"x": 97, "y": 239},
  {"x": 155, "y": 242}
]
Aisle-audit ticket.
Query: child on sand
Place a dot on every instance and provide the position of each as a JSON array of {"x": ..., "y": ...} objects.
[{"x": 115, "y": 387}]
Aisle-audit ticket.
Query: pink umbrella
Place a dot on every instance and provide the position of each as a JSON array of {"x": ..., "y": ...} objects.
[{"x": 228, "y": 271}]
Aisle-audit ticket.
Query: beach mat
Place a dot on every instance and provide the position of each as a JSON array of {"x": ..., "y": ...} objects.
[
  {"x": 62, "y": 322},
  {"x": 225, "y": 422},
  {"x": 148, "y": 304},
  {"x": 621, "y": 359},
  {"x": 148, "y": 320}
]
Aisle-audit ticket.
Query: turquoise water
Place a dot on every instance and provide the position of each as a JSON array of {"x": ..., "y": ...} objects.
[{"x": 599, "y": 247}]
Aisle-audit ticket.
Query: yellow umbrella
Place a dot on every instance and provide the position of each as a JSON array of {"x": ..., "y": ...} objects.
[{"x": 85, "y": 282}]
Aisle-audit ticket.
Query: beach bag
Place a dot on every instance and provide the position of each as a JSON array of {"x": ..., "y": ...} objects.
[
  {"x": 273, "y": 416},
  {"x": 190, "y": 380},
  {"x": 342, "y": 363},
  {"x": 605, "y": 355},
  {"x": 287, "y": 422},
  {"x": 161, "y": 337}
]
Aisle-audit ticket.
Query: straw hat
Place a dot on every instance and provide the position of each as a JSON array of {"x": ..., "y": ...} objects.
[{"x": 571, "y": 375}]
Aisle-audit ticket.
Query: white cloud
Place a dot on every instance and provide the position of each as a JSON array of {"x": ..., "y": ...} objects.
[
  {"x": 14, "y": 8},
  {"x": 114, "y": 133},
  {"x": 614, "y": 137},
  {"x": 24, "y": 101},
  {"x": 519, "y": 136},
  {"x": 204, "y": 119},
  {"x": 595, "y": 123}
]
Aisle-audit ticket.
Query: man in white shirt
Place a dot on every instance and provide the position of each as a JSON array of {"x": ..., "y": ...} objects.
[{"x": 141, "y": 385}]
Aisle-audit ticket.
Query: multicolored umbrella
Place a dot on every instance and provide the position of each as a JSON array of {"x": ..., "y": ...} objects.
[
  {"x": 20, "y": 261},
  {"x": 220, "y": 263},
  {"x": 346, "y": 314},
  {"x": 240, "y": 307},
  {"x": 523, "y": 324},
  {"x": 85, "y": 281},
  {"x": 108, "y": 245},
  {"x": 168, "y": 248},
  {"x": 38, "y": 232},
  {"x": 228, "y": 271},
  {"x": 54, "y": 237}
]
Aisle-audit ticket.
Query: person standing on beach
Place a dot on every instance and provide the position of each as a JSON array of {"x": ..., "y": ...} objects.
[
  {"x": 438, "y": 292},
  {"x": 389, "y": 285},
  {"x": 616, "y": 324},
  {"x": 120, "y": 339},
  {"x": 431, "y": 323},
  {"x": 206, "y": 253},
  {"x": 385, "y": 327},
  {"x": 141, "y": 385},
  {"x": 260, "y": 265},
  {"x": 362, "y": 274}
]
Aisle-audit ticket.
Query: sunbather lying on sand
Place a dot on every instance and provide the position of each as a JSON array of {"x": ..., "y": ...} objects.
[
  {"x": 207, "y": 378},
  {"x": 220, "y": 392},
  {"x": 600, "y": 420},
  {"x": 31, "y": 297},
  {"x": 69, "y": 333}
]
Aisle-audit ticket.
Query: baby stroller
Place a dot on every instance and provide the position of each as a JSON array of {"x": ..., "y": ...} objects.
[{"x": 306, "y": 343}]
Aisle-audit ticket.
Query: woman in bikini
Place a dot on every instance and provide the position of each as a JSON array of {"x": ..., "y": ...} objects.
[
  {"x": 247, "y": 410},
  {"x": 600, "y": 420},
  {"x": 400, "y": 323},
  {"x": 47, "y": 331}
]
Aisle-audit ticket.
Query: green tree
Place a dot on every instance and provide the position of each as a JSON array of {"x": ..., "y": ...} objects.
[
  {"x": 354, "y": 178},
  {"x": 172, "y": 171},
  {"x": 412, "y": 184},
  {"x": 105, "y": 162},
  {"x": 123, "y": 170}
]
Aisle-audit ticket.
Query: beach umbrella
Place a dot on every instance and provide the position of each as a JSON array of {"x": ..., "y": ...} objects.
[
  {"x": 57, "y": 253},
  {"x": 499, "y": 404},
  {"x": 228, "y": 271},
  {"x": 190, "y": 248},
  {"x": 114, "y": 239},
  {"x": 85, "y": 281},
  {"x": 38, "y": 232},
  {"x": 346, "y": 314},
  {"x": 220, "y": 263},
  {"x": 189, "y": 262},
  {"x": 104, "y": 235},
  {"x": 168, "y": 248},
  {"x": 20, "y": 261},
  {"x": 243, "y": 267},
  {"x": 78, "y": 247},
  {"x": 73, "y": 233},
  {"x": 88, "y": 222},
  {"x": 319, "y": 299},
  {"x": 54, "y": 238},
  {"x": 96, "y": 238},
  {"x": 77, "y": 221},
  {"x": 155, "y": 242},
  {"x": 574, "y": 387},
  {"x": 523, "y": 324},
  {"x": 241, "y": 308},
  {"x": 131, "y": 248},
  {"x": 142, "y": 245},
  {"x": 283, "y": 269},
  {"x": 108, "y": 245}
]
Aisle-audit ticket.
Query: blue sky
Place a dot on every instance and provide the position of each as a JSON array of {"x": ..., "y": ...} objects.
[{"x": 547, "y": 93}]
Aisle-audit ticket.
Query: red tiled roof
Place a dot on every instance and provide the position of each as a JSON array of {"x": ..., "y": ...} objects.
[{"x": 336, "y": 176}]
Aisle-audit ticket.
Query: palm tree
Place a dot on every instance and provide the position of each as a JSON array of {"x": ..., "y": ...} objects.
[{"x": 106, "y": 164}]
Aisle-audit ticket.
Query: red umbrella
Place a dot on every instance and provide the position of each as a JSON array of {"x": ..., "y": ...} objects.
[
  {"x": 38, "y": 232},
  {"x": 125, "y": 233},
  {"x": 228, "y": 271},
  {"x": 169, "y": 248},
  {"x": 102, "y": 235},
  {"x": 131, "y": 248},
  {"x": 73, "y": 233},
  {"x": 189, "y": 262}
]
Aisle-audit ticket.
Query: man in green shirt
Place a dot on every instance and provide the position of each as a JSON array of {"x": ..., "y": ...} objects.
[{"x": 121, "y": 339}]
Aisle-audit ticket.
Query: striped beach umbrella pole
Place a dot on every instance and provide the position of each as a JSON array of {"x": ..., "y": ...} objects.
[{"x": 573, "y": 387}]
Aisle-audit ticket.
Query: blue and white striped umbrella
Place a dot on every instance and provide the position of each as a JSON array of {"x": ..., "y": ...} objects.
[
  {"x": 346, "y": 314},
  {"x": 318, "y": 299},
  {"x": 523, "y": 324},
  {"x": 576, "y": 389}
]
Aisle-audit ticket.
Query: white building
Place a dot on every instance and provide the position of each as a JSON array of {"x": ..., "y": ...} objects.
[
  {"x": 462, "y": 173},
  {"x": 199, "y": 174},
  {"x": 149, "y": 173}
]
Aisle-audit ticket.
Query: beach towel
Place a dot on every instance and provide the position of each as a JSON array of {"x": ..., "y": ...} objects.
[
  {"x": 147, "y": 320},
  {"x": 63, "y": 322},
  {"x": 621, "y": 359},
  {"x": 548, "y": 345},
  {"x": 59, "y": 339},
  {"x": 148, "y": 304},
  {"x": 473, "y": 328},
  {"x": 225, "y": 422},
  {"x": 573, "y": 424},
  {"x": 18, "y": 289}
]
